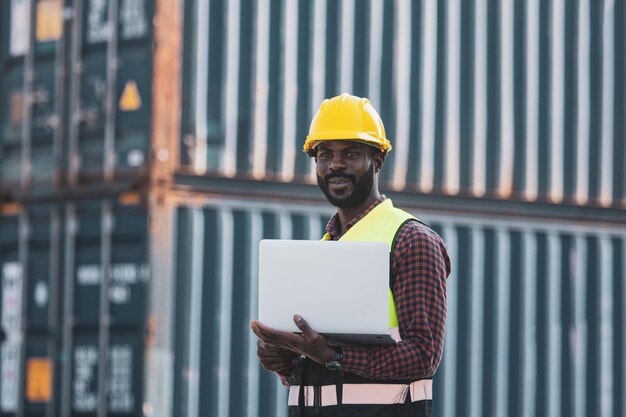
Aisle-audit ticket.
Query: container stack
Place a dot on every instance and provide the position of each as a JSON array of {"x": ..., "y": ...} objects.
[
  {"x": 75, "y": 150},
  {"x": 146, "y": 146}
]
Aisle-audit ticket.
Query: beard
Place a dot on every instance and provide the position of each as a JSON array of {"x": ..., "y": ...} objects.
[{"x": 361, "y": 188}]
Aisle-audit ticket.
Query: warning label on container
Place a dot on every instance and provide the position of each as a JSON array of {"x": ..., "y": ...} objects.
[
  {"x": 11, "y": 297},
  {"x": 85, "y": 390},
  {"x": 20, "y": 27},
  {"x": 130, "y": 99},
  {"x": 38, "y": 380},
  {"x": 9, "y": 372},
  {"x": 49, "y": 22}
]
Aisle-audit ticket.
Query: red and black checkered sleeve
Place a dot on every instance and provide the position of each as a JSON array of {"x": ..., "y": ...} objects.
[{"x": 420, "y": 267}]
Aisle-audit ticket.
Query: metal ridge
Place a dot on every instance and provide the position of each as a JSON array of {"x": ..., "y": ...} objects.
[{"x": 432, "y": 202}]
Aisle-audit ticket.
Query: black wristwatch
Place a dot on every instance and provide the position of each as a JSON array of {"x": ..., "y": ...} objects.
[{"x": 335, "y": 363}]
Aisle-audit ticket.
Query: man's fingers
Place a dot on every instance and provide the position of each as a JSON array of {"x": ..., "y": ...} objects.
[
  {"x": 286, "y": 340},
  {"x": 272, "y": 338},
  {"x": 274, "y": 342},
  {"x": 262, "y": 332},
  {"x": 277, "y": 349}
]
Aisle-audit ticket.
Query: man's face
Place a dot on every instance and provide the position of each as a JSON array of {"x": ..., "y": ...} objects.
[{"x": 345, "y": 172}]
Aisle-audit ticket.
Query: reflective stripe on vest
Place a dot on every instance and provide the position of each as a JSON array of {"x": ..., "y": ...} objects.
[
  {"x": 380, "y": 225},
  {"x": 365, "y": 393}
]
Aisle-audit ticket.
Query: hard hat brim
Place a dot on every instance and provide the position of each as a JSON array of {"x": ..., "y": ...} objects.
[{"x": 312, "y": 141}]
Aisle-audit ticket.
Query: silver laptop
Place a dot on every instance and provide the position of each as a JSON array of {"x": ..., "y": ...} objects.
[{"x": 339, "y": 288}]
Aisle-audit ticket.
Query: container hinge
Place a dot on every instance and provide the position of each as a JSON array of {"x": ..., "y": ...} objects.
[
  {"x": 72, "y": 225},
  {"x": 74, "y": 161},
  {"x": 39, "y": 96},
  {"x": 106, "y": 320},
  {"x": 89, "y": 116},
  {"x": 50, "y": 121},
  {"x": 24, "y": 230},
  {"x": 108, "y": 222}
]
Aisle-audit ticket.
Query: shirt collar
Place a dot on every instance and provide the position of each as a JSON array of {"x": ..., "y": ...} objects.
[{"x": 333, "y": 228}]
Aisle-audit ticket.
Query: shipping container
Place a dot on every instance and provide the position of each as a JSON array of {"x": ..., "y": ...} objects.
[
  {"x": 61, "y": 339},
  {"x": 517, "y": 100},
  {"x": 146, "y": 146},
  {"x": 76, "y": 85},
  {"x": 536, "y": 318}
]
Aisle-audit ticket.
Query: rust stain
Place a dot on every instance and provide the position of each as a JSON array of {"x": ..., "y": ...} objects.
[
  {"x": 10, "y": 209},
  {"x": 166, "y": 86}
]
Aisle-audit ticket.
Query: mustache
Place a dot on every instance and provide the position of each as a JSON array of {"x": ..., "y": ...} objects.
[{"x": 332, "y": 175}]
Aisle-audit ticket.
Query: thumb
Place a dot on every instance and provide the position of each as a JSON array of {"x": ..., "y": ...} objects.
[{"x": 302, "y": 324}]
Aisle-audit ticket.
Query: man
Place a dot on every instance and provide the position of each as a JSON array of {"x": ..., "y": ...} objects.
[{"x": 347, "y": 139}]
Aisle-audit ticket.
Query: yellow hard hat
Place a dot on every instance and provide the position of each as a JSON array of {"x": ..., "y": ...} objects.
[{"x": 347, "y": 117}]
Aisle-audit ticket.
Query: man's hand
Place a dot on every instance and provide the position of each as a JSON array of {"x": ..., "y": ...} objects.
[
  {"x": 275, "y": 359},
  {"x": 310, "y": 343}
]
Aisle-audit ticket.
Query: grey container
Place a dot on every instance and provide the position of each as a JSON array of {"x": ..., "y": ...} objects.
[
  {"x": 517, "y": 101},
  {"x": 59, "y": 333},
  {"x": 535, "y": 322},
  {"x": 514, "y": 155},
  {"x": 76, "y": 100},
  {"x": 522, "y": 101}
]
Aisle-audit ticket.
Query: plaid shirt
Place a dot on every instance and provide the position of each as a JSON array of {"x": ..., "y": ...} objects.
[{"x": 419, "y": 268}]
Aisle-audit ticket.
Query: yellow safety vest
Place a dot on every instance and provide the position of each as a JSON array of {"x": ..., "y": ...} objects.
[{"x": 379, "y": 225}]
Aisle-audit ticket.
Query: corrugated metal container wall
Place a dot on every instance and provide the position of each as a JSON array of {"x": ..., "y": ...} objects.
[
  {"x": 59, "y": 338},
  {"x": 216, "y": 255},
  {"x": 536, "y": 318},
  {"x": 522, "y": 100},
  {"x": 75, "y": 96},
  {"x": 182, "y": 290},
  {"x": 481, "y": 98}
]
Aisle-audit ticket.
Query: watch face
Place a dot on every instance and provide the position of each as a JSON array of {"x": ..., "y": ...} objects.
[{"x": 334, "y": 365}]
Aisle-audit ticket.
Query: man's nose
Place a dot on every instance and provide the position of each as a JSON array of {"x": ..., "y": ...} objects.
[{"x": 338, "y": 163}]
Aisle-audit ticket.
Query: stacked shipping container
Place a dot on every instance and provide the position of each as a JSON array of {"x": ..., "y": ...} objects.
[
  {"x": 75, "y": 94},
  {"x": 76, "y": 112},
  {"x": 56, "y": 273},
  {"x": 480, "y": 97},
  {"x": 147, "y": 146}
]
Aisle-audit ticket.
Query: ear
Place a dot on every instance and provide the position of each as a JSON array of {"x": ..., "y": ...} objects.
[{"x": 378, "y": 161}]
